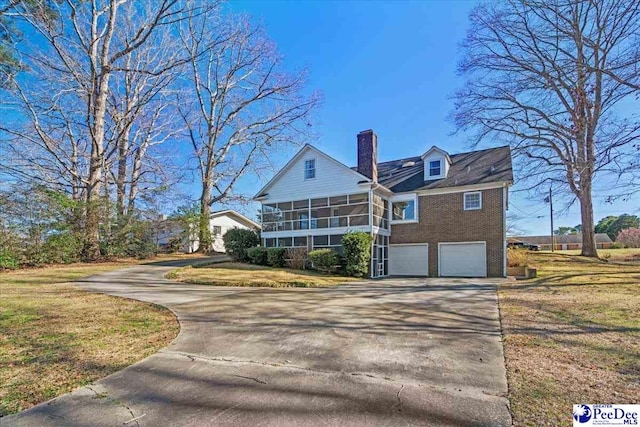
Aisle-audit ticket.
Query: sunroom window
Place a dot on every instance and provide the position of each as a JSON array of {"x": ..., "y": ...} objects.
[{"x": 404, "y": 210}]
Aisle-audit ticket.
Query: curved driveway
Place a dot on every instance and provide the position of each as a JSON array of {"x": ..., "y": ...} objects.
[{"x": 390, "y": 352}]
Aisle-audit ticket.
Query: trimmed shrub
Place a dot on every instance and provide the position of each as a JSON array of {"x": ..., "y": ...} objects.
[
  {"x": 237, "y": 241},
  {"x": 258, "y": 255},
  {"x": 357, "y": 253},
  {"x": 62, "y": 248},
  {"x": 296, "y": 258},
  {"x": 324, "y": 259},
  {"x": 276, "y": 257}
]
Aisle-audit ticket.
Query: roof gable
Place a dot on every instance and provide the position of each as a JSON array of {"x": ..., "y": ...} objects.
[
  {"x": 237, "y": 215},
  {"x": 436, "y": 150},
  {"x": 298, "y": 157}
]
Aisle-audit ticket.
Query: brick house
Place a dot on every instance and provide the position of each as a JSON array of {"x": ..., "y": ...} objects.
[{"x": 436, "y": 214}]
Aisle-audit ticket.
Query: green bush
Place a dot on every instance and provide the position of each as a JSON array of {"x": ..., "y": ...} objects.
[
  {"x": 357, "y": 253},
  {"x": 276, "y": 257},
  {"x": 62, "y": 248},
  {"x": 617, "y": 245},
  {"x": 237, "y": 241},
  {"x": 324, "y": 259},
  {"x": 258, "y": 255},
  {"x": 8, "y": 259}
]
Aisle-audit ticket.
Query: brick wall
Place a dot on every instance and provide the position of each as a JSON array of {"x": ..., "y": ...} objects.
[{"x": 443, "y": 219}]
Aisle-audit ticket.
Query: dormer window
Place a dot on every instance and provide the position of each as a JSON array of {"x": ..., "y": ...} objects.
[
  {"x": 310, "y": 169},
  {"x": 436, "y": 164},
  {"x": 435, "y": 168}
]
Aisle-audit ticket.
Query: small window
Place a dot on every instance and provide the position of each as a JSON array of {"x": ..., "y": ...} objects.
[
  {"x": 435, "y": 168},
  {"x": 404, "y": 210},
  {"x": 310, "y": 169},
  {"x": 217, "y": 230},
  {"x": 472, "y": 201}
]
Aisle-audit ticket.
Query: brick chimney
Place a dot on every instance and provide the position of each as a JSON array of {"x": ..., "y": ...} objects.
[{"x": 368, "y": 154}]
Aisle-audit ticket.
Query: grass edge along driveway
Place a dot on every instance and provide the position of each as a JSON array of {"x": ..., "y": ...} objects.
[
  {"x": 249, "y": 275},
  {"x": 55, "y": 337}
]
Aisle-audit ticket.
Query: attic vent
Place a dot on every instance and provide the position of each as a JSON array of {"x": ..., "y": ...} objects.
[{"x": 408, "y": 164}]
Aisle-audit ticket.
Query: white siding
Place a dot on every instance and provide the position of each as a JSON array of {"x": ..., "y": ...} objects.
[
  {"x": 331, "y": 179},
  {"x": 226, "y": 223}
]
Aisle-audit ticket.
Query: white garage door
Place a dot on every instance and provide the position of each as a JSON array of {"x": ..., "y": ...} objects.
[
  {"x": 468, "y": 259},
  {"x": 409, "y": 260}
]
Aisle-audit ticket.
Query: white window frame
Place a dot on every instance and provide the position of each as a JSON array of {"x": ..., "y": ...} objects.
[
  {"x": 439, "y": 167},
  {"x": 464, "y": 201},
  {"x": 427, "y": 167},
  {"x": 308, "y": 169},
  {"x": 404, "y": 198}
]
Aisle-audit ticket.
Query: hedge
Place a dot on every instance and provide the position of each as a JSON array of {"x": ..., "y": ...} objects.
[
  {"x": 324, "y": 259},
  {"x": 258, "y": 255},
  {"x": 357, "y": 253},
  {"x": 276, "y": 257},
  {"x": 237, "y": 241}
]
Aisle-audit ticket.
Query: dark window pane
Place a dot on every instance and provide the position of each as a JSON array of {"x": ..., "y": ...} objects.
[
  {"x": 335, "y": 239},
  {"x": 338, "y": 200},
  {"x": 301, "y": 204},
  {"x": 320, "y": 241},
  {"x": 358, "y": 198},
  {"x": 319, "y": 202},
  {"x": 284, "y": 242}
]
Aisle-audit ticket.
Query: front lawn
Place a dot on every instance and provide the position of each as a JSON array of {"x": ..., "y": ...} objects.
[
  {"x": 55, "y": 337},
  {"x": 572, "y": 335},
  {"x": 238, "y": 274},
  {"x": 618, "y": 255}
]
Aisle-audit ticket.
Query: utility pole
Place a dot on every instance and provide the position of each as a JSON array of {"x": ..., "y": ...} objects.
[{"x": 551, "y": 214}]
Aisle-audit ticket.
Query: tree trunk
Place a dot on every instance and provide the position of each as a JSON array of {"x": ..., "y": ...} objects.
[
  {"x": 204, "y": 231},
  {"x": 91, "y": 249},
  {"x": 588, "y": 228},
  {"x": 121, "y": 179}
]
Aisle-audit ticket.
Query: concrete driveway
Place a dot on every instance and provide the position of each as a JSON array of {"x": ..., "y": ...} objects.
[{"x": 390, "y": 352}]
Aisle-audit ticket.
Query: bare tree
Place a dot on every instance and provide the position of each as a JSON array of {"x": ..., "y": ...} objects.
[
  {"x": 241, "y": 105},
  {"x": 551, "y": 77},
  {"x": 78, "y": 57},
  {"x": 141, "y": 107}
]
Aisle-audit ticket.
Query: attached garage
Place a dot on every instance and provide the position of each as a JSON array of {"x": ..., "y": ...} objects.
[
  {"x": 409, "y": 260},
  {"x": 462, "y": 259}
]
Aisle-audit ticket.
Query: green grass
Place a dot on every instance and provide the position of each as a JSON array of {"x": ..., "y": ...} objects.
[
  {"x": 238, "y": 274},
  {"x": 572, "y": 335},
  {"x": 55, "y": 337}
]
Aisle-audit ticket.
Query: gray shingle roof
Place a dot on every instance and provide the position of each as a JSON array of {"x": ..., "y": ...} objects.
[{"x": 475, "y": 167}]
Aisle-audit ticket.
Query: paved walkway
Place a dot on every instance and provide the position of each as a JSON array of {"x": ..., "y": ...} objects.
[{"x": 390, "y": 352}]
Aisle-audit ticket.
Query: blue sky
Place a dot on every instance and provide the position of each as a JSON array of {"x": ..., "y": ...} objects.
[{"x": 390, "y": 66}]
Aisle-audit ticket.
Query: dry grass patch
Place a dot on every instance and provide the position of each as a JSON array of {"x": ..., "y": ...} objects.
[
  {"x": 55, "y": 337},
  {"x": 572, "y": 335},
  {"x": 238, "y": 274}
]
